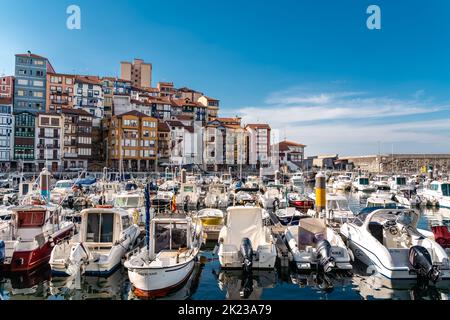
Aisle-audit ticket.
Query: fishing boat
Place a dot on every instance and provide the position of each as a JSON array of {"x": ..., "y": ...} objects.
[
  {"x": 106, "y": 236},
  {"x": 381, "y": 182},
  {"x": 407, "y": 198},
  {"x": 438, "y": 193},
  {"x": 381, "y": 200},
  {"x": 245, "y": 242},
  {"x": 315, "y": 246},
  {"x": 400, "y": 183},
  {"x": 362, "y": 183},
  {"x": 133, "y": 202},
  {"x": 168, "y": 261},
  {"x": 34, "y": 230},
  {"x": 388, "y": 242}
]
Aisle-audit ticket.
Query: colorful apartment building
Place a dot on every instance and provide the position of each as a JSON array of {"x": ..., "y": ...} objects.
[
  {"x": 30, "y": 82},
  {"x": 60, "y": 92},
  {"x": 163, "y": 143},
  {"x": 24, "y": 140},
  {"x": 212, "y": 106},
  {"x": 6, "y": 133},
  {"x": 89, "y": 97},
  {"x": 259, "y": 142},
  {"x": 49, "y": 141},
  {"x": 133, "y": 142},
  {"x": 77, "y": 145},
  {"x": 7, "y": 87}
]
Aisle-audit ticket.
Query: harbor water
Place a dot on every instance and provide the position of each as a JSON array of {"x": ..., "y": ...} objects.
[{"x": 208, "y": 282}]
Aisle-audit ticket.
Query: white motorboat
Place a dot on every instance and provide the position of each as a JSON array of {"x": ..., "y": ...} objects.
[
  {"x": 134, "y": 203},
  {"x": 400, "y": 183},
  {"x": 167, "y": 263},
  {"x": 407, "y": 198},
  {"x": 316, "y": 246},
  {"x": 212, "y": 221},
  {"x": 437, "y": 193},
  {"x": 381, "y": 200},
  {"x": 245, "y": 242},
  {"x": 106, "y": 236},
  {"x": 108, "y": 190},
  {"x": 188, "y": 196},
  {"x": 388, "y": 242},
  {"x": 288, "y": 216},
  {"x": 362, "y": 183},
  {"x": 216, "y": 197},
  {"x": 381, "y": 182},
  {"x": 273, "y": 197},
  {"x": 342, "y": 182},
  {"x": 337, "y": 208}
]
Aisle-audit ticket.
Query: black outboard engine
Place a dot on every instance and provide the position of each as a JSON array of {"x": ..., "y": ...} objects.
[
  {"x": 326, "y": 261},
  {"x": 247, "y": 253},
  {"x": 420, "y": 261}
]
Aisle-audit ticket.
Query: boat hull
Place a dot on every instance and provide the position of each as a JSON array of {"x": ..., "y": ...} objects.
[
  {"x": 25, "y": 261},
  {"x": 158, "y": 282}
]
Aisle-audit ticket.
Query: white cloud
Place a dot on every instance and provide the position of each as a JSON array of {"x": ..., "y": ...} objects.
[{"x": 340, "y": 121}]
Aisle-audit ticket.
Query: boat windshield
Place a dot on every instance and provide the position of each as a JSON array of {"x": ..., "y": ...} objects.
[
  {"x": 364, "y": 181},
  {"x": 170, "y": 236},
  {"x": 388, "y": 204},
  {"x": 126, "y": 202},
  {"x": 338, "y": 205},
  {"x": 100, "y": 227},
  {"x": 401, "y": 181},
  {"x": 188, "y": 189},
  {"x": 64, "y": 185},
  {"x": 446, "y": 189}
]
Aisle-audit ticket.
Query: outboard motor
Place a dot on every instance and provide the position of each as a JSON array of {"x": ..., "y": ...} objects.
[
  {"x": 420, "y": 261},
  {"x": 326, "y": 261},
  {"x": 247, "y": 253},
  {"x": 2, "y": 252}
]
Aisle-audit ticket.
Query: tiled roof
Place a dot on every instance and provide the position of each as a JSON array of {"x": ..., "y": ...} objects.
[
  {"x": 79, "y": 112},
  {"x": 89, "y": 80},
  {"x": 32, "y": 55},
  {"x": 134, "y": 113},
  {"x": 284, "y": 146},
  {"x": 258, "y": 126},
  {"x": 163, "y": 127}
]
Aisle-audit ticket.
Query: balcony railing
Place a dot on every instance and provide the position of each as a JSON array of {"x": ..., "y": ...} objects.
[{"x": 70, "y": 155}]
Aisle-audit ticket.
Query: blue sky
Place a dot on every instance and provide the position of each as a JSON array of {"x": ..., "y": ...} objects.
[{"x": 311, "y": 69}]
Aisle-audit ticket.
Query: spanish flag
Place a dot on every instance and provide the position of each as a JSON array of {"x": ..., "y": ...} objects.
[{"x": 174, "y": 204}]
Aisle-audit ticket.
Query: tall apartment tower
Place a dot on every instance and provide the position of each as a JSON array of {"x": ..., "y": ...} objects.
[{"x": 138, "y": 72}]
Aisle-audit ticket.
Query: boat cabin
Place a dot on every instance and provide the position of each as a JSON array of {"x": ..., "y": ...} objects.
[
  {"x": 29, "y": 223},
  {"x": 102, "y": 227},
  {"x": 129, "y": 201},
  {"x": 170, "y": 236}
]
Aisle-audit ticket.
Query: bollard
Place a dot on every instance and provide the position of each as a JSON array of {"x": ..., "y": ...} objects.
[{"x": 321, "y": 196}]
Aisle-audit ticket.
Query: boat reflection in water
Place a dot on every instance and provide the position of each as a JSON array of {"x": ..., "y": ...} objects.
[
  {"x": 113, "y": 287},
  {"x": 322, "y": 283},
  {"x": 26, "y": 286},
  {"x": 184, "y": 292},
  {"x": 379, "y": 287},
  {"x": 238, "y": 285}
]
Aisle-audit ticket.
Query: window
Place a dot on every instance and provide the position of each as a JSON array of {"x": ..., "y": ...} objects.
[
  {"x": 38, "y": 83},
  {"x": 22, "y": 82},
  {"x": 38, "y": 94},
  {"x": 38, "y": 62},
  {"x": 39, "y": 73},
  {"x": 20, "y": 93},
  {"x": 100, "y": 228},
  {"x": 69, "y": 81}
]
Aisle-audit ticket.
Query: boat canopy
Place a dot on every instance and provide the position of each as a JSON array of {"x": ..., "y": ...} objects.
[
  {"x": 170, "y": 235},
  {"x": 245, "y": 222}
]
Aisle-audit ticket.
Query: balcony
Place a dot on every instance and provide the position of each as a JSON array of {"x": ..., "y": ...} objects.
[
  {"x": 70, "y": 155},
  {"x": 45, "y": 136},
  {"x": 48, "y": 146},
  {"x": 59, "y": 102}
]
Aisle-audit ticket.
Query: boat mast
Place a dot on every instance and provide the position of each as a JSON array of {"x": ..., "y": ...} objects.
[{"x": 147, "y": 218}]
